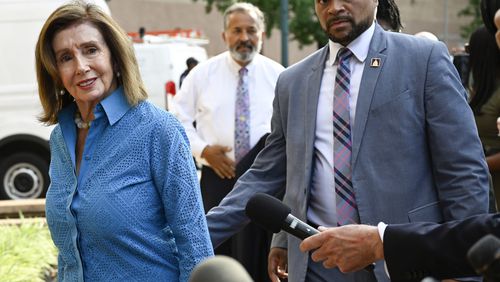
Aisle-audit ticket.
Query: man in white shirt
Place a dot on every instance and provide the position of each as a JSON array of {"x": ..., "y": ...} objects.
[{"x": 208, "y": 97}]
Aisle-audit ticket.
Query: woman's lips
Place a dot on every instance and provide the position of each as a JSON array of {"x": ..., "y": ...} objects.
[{"x": 87, "y": 83}]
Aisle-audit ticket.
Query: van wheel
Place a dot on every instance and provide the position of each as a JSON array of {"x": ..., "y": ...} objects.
[{"x": 23, "y": 176}]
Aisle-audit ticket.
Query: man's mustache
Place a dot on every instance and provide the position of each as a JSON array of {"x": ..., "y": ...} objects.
[
  {"x": 333, "y": 19},
  {"x": 246, "y": 44}
]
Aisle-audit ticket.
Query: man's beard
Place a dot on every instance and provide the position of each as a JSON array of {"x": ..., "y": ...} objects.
[
  {"x": 357, "y": 29},
  {"x": 245, "y": 57}
]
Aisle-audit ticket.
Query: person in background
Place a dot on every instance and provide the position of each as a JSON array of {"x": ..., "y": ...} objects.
[
  {"x": 488, "y": 9},
  {"x": 497, "y": 25},
  {"x": 484, "y": 60},
  {"x": 230, "y": 98},
  {"x": 427, "y": 35},
  {"x": 388, "y": 15},
  {"x": 351, "y": 144},
  {"x": 190, "y": 63},
  {"x": 124, "y": 202}
]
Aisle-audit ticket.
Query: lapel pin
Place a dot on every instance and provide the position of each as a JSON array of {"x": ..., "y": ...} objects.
[{"x": 375, "y": 63}]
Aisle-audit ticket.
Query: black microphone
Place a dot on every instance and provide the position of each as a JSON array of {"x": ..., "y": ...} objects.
[
  {"x": 271, "y": 214},
  {"x": 484, "y": 256}
]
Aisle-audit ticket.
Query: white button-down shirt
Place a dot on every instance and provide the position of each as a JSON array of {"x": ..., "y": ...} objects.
[{"x": 208, "y": 96}]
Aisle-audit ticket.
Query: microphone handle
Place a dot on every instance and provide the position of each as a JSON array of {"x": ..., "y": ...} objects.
[
  {"x": 303, "y": 230},
  {"x": 298, "y": 228}
]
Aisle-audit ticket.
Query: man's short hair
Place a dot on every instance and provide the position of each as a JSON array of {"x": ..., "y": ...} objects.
[
  {"x": 191, "y": 61},
  {"x": 249, "y": 9}
]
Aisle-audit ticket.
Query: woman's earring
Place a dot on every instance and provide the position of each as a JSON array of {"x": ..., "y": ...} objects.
[
  {"x": 62, "y": 92},
  {"x": 118, "y": 74}
]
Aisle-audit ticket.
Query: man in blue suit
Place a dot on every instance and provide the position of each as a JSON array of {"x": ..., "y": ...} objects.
[{"x": 410, "y": 141}]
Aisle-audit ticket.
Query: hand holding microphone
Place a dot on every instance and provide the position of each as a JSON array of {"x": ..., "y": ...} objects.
[{"x": 350, "y": 247}]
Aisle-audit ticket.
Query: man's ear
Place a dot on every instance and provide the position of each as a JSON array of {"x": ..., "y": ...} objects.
[{"x": 224, "y": 36}]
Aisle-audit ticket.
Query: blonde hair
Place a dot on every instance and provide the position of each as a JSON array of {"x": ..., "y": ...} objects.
[{"x": 120, "y": 46}]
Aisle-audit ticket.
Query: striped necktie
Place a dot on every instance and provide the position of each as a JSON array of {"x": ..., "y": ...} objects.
[
  {"x": 242, "y": 117},
  {"x": 347, "y": 211}
]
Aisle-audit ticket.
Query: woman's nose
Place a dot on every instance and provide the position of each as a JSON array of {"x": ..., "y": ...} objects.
[{"x": 82, "y": 65}]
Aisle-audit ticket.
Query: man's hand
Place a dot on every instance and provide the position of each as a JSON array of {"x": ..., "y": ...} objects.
[
  {"x": 217, "y": 159},
  {"x": 277, "y": 264},
  {"x": 349, "y": 247}
]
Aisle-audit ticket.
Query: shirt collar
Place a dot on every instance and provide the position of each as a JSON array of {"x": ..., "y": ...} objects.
[
  {"x": 115, "y": 105},
  {"x": 359, "y": 46}
]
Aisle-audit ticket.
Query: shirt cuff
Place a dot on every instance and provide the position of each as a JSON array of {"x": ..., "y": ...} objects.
[{"x": 381, "y": 230}]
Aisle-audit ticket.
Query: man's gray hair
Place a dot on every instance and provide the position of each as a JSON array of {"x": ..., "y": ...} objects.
[{"x": 249, "y": 9}]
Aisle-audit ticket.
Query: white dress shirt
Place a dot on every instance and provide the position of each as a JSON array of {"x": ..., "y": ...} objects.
[
  {"x": 322, "y": 202},
  {"x": 208, "y": 96}
]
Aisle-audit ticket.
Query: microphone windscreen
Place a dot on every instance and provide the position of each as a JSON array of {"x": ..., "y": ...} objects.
[
  {"x": 484, "y": 252},
  {"x": 267, "y": 211},
  {"x": 219, "y": 269}
]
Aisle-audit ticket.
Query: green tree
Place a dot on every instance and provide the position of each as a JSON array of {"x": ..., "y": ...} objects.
[
  {"x": 471, "y": 10},
  {"x": 303, "y": 23}
]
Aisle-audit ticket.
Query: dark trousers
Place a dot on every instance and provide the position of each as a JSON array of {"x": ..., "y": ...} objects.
[
  {"x": 251, "y": 245},
  {"x": 213, "y": 190}
]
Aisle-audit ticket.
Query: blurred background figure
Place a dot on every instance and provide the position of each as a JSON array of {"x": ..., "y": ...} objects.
[
  {"x": 388, "y": 15},
  {"x": 190, "y": 63},
  {"x": 230, "y": 98},
  {"x": 428, "y": 35},
  {"x": 484, "y": 59},
  {"x": 488, "y": 10},
  {"x": 220, "y": 269},
  {"x": 461, "y": 62},
  {"x": 123, "y": 182}
]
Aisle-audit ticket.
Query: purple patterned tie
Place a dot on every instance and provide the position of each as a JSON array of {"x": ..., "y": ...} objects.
[
  {"x": 242, "y": 117},
  {"x": 347, "y": 211}
]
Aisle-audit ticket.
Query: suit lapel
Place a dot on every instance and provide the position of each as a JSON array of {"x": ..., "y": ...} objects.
[
  {"x": 367, "y": 87},
  {"x": 313, "y": 85}
]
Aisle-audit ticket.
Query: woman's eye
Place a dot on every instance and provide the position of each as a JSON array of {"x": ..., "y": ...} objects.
[
  {"x": 64, "y": 58},
  {"x": 91, "y": 50}
]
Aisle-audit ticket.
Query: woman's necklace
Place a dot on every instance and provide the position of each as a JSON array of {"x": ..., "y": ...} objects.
[{"x": 79, "y": 121}]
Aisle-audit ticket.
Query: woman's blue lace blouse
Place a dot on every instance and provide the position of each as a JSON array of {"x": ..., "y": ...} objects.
[{"x": 134, "y": 211}]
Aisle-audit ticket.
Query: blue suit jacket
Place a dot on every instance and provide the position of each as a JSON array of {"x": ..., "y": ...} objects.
[{"x": 416, "y": 153}]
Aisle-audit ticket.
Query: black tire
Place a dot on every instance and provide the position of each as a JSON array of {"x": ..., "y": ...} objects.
[{"x": 23, "y": 176}]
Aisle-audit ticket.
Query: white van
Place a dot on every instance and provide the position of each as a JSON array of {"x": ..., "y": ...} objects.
[
  {"x": 162, "y": 56},
  {"x": 24, "y": 149}
]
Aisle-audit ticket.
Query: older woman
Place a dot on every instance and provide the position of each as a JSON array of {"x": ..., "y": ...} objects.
[{"x": 124, "y": 202}]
